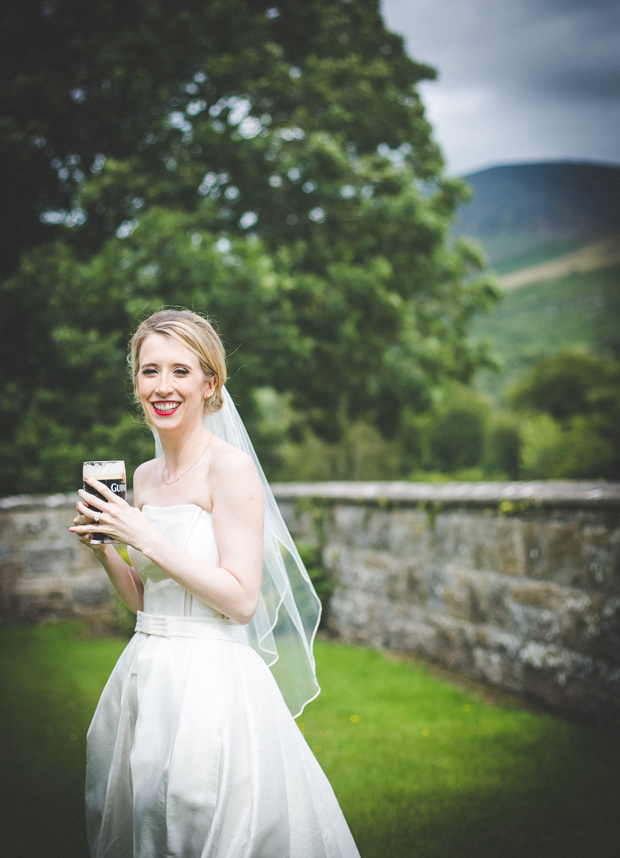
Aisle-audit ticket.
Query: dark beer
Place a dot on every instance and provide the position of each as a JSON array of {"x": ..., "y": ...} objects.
[{"x": 112, "y": 475}]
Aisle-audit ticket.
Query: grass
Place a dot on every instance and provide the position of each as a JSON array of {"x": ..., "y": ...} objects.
[
  {"x": 422, "y": 767},
  {"x": 51, "y": 681}
]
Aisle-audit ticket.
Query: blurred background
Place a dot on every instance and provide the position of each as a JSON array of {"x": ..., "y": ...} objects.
[{"x": 415, "y": 272}]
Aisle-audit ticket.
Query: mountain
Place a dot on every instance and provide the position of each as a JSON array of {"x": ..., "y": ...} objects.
[
  {"x": 552, "y": 231},
  {"x": 526, "y": 213}
]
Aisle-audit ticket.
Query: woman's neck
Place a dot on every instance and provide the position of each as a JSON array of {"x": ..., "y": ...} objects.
[{"x": 182, "y": 448}]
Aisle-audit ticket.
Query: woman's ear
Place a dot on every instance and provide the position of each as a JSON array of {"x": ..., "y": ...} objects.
[{"x": 210, "y": 388}]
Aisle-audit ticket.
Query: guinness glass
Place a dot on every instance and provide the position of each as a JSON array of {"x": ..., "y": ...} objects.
[{"x": 113, "y": 475}]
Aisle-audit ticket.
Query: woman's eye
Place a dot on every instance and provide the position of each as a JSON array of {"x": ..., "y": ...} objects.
[
  {"x": 181, "y": 372},
  {"x": 148, "y": 372}
]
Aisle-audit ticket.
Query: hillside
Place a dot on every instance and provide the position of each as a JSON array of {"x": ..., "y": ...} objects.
[
  {"x": 581, "y": 309},
  {"x": 527, "y": 213},
  {"x": 602, "y": 253},
  {"x": 553, "y": 232}
]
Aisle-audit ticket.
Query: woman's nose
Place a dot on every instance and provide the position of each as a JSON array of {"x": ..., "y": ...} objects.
[{"x": 164, "y": 383}]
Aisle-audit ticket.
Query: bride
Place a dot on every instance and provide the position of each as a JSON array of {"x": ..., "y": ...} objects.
[{"x": 193, "y": 751}]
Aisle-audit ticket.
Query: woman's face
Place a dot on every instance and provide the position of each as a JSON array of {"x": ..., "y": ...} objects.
[{"x": 170, "y": 384}]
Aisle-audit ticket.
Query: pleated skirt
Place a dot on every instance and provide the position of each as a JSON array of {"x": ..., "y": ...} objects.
[{"x": 192, "y": 753}]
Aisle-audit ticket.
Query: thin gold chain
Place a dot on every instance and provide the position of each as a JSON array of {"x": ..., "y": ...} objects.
[{"x": 176, "y": 479}]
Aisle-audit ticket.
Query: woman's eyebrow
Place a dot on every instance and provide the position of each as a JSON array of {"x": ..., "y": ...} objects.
[{"x": 154, "y": 365}]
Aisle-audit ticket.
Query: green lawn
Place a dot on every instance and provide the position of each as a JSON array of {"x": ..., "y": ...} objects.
[{"x": 422, "y": 767}]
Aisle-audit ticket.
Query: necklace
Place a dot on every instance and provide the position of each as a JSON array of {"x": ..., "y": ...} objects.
[{"x": 176, "y": 479}]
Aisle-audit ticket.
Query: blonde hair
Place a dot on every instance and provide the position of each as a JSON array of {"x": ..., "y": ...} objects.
[{"x": 196, "y": 334}]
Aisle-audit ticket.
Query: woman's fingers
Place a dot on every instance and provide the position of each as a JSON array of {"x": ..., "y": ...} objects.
[
  {"x": 89, "y": 514},
  {"x": 91, "y": 500},
  {"x": 116, "y": 517},
  {"x": 84, "y": 516},
  {"x": 85, "y": 523},
  {"x": 83, "y": 529},
  {"x": 107, "y": 512},
  {"x": 102, "y": 489},
  {"x": 91, "y": 527}
]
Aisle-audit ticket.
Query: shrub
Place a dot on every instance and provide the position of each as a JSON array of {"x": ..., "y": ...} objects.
[
  {"x": 502, "y": 449},
  {"x": 544, "y": 454},
  {"x": 456, "y": 438}
]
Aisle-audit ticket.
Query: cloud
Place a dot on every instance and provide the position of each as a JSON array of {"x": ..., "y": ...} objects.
[{"x": 518, "y": 79}]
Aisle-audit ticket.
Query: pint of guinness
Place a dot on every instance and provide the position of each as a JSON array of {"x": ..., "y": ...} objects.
[{"x": 113, "y": 475}]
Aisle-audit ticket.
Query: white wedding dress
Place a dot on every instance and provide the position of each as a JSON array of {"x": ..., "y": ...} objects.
[{"x": 192, "y": 751}]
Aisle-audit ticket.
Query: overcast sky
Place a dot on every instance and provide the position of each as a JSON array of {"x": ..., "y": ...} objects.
[{"x": 519, "y": 80}]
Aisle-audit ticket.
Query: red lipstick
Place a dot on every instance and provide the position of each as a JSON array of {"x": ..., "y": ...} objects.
[{"x": 164, "y": 409}]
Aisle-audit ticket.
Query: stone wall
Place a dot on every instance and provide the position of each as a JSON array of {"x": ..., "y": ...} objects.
[
  {"x": 45, "y": 573},
  {"x": 514, "y": 584}
]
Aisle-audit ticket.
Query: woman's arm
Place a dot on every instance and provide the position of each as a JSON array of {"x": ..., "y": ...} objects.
[
  {"x": 124, "y": 578},
  {"x": 233, "y": 587}
]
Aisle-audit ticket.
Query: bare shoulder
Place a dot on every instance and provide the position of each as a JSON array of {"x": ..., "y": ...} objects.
[
  {"x": 144, "y": 475},
  {"x": 229, "y": 462},
  {"x": 234, "y": 472}
]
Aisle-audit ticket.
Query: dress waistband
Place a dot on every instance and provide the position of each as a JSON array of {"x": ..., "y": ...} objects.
[{"x": 165, "y": 626}]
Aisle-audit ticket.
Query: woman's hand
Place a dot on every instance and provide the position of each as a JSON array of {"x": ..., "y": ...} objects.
[
  {"x": 121, "y": 521},
  {"x": 85, "y": 538},
  {"x": 117, "y": 518}
]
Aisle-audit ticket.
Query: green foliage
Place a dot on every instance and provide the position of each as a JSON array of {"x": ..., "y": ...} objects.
[
  {"x": 593, "y": 443},
  {"x": 522, "y": 507},
  {"x": 543, "y": 451},
  {"x": 450, "y": 438},
  {"x": 161, "y": 89},
  {"x": 565, "y": 384},
  {"x": 275, "y": 170},
  {"x": 362, "y": 454},
  {"x": 420, "y": 765},
  {"x": 456, "y": 439},
  {"x": 576, "y": 432},
  {"x": 461, "y": 439},
  {"x": 502, "y": 454},
  {"x": 312, "y": 555}
]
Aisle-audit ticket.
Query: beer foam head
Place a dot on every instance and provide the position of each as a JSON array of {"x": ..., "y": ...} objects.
[{"x": 110, "y": 470}]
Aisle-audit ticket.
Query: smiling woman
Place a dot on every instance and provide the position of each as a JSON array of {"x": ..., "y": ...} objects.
[
  {"x": 192, "y": 750},
  {"x": 170, "y": 382},
  {"x": 193, "y": 333}
]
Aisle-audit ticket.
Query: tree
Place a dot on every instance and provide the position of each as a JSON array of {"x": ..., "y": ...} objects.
[
  {"x": 451, "y": 435},
  {"x": 270, "y": 165},
  {"x": 573, "y": 429},
  {"x": 132, "y": 80},
  {"x": 562, "y": 384},
  {"x": 503, "y": 447},
  {"x": 456, "y": 439}
]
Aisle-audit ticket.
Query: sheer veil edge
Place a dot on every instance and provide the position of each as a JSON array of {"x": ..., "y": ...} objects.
[{"x": 285, "y": 624}]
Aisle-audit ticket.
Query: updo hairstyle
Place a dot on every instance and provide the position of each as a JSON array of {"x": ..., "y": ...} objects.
[{"x": 196, "y": 334}]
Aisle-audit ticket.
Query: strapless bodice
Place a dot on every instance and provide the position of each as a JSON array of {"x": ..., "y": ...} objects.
[{"x": 190, "y": 528}]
